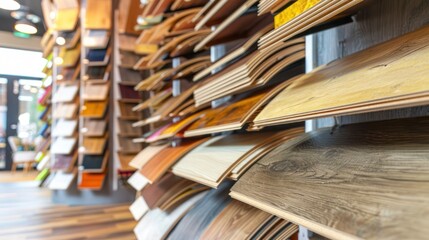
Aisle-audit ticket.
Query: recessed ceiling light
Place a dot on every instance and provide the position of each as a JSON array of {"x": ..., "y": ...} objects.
[
  {"x": 10, "y": 5},
  {"x": 25, "y": 26}
]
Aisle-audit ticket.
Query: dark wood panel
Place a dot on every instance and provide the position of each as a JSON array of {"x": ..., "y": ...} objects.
[{"x": 367, "y": 180}]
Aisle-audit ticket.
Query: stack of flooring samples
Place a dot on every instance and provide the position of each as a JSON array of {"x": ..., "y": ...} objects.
[
  {"x": 64, "y": 36},
  {"x": 126, "y": 98},
  {"x": 94, "y": 141},
  {"x": 378, "y": 75},
  {"x": 369, "y": 168}
]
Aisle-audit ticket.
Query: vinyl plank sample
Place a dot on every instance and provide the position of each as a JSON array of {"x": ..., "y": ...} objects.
[
  {"x": 94, "y": 128},
  {"x": 63, "y": 145},
  {"x": 156, "y": 224},
  {"x": 236, "y": 221},
  {"x": 138, "y": 208},
  {"x": 213, "y": 160},
  {"x": 153, "y": 192},
  {"x": 380, "y": 77},
  {"x": 194, "y": 223},
  {"x": 95, "y": 163},
  {"x": 163, "y": 160},
  {"x": 63, "y": 163},
  {"x": 65, "y": 110},
  {"x": 361, "y": 181},
  {"x": 94, "y": 145},
  {"x": 96, "y": 39},
  {"x": 98, "y": 14},
  {"x": 96, "y": 92},
  {"x": 146, "y": 154}
]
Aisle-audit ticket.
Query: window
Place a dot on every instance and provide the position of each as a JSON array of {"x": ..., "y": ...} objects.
[{"x": 24, "y": 63}]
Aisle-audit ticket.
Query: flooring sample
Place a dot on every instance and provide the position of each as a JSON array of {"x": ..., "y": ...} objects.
[
  {"x": 63, "y": 145},
  {"x": 127, "y": 145},
  {"x": 94, "y": 128},
  {"x": 373, "y": 173},
  {"x": 96, "y": 39},
  {"x": 138, "y": 208},
  {"x": 98, "y": 14},
  {"x": 289, "y": 25},
  {"x": 69, "y": 57},
  {"x": 157, "y": 224},
  {"x": 163, "y": 160},
  {"x": 212, "y": 161},
  {"x": 129, "y": 10},
  {"x": 152, "y": 193},
  {"x": 91, "y": 181},
  {"x": 266, "y": 6},
  {"x": 62, "y": 180},
  {"x": 146, "y": 154},
  {"x": 95, "y": 163},
  {"x": 63, "y": 163},
  {"x": 65, "y": 128},
  {"x": 137, "y": 181},
  {"x": 387, "y": 84},
  {"x": 96, "y": 92},
  {"x": 65, "y": 93},
  {"x": 126, "y": 128},
  {"x": 194, "y": 223},
  {"x": 236, "y": 221},
  {"x": 66, "y": 16},
  {"x": 65, "y": 110},
  {"x": 254, "y": 70},
  {"x": 94, "y": 145},
  {"x": 93, "y": 109}
]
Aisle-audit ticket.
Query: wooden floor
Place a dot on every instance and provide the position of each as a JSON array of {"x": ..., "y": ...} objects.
[{"x": 26, "y": 212}]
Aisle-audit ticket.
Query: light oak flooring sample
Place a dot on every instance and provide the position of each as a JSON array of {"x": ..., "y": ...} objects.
[
  {"x": 236, "y": 221},
  {"x": 94, "y": 145},
  {"x": 94, "y": 128},
  {"x": 388, "y": 75},
  {"x": 213, "y": 160},
  {"x": 157, "y": 224},
  {"x": 98, "y": 14},
  {"x": 65, "y": 110},
  {"x": 145, "y": 155},
  {"x": 96, "y": 92},
  {"x": 360, "y": 181}
]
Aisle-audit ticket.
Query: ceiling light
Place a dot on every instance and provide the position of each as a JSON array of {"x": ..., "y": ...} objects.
[
  {"x": 10, "y": 5},
  {"x": 25, "y": 27}
]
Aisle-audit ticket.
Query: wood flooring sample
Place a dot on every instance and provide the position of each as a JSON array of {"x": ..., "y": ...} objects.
[
  {"x": 236, "y": 221},
  {"x": 363, "y": 181},
  {"x": 145, "y": 155},
  {"x": 163, "y": 160},
  {"x": 65, "y": 110},
  {"x": 157, "y": 224},
  {"x": 212, "y": 161},
  {"x": 65, "y": 93},
  {"x": 94, "y": 128},
  {"x": 195, "y": 222},
  {"x": 98, "y": 14},
  {"x": 94, "y": 109},
  {"x": 62, "y": 180},
  {"x": 92, "y": 181},
  {"x": 387, "y": 76}
]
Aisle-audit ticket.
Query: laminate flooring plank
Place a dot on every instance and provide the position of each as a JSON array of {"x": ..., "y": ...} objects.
[
  {"x": 194, "y": 223},
  {"x": 236, "y": 221},
  {"x": 157, "y": 224},
  {"x": 373, "y": 173},
  {"x": 153, "y": 192},
  {"x": 162, "y": 162},
  {"x": 146, "y": 154},
  {"x": 98, "y": 14},
  {"x": 212, "y": 161},
  {"x": 388, "y": 83}
]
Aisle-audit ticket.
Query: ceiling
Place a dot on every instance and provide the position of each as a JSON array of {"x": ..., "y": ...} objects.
[{"x": 7, "y": 22}]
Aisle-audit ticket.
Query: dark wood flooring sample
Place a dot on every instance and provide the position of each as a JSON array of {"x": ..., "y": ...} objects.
[
  {"x": 369, "y": 180},
  {"x": 196, "y": 221}
]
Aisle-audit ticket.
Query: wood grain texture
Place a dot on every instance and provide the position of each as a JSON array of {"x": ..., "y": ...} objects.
[
  {"x": 236, "y": 221},
  {"x": 63, "y": 162},
  {"x": 145, "y": 155},
  {"x": 98, "y": 14},
  {"x": 386, "y": 61},
  {"x": 94, "y": 145},
  {"x": 163, "y": 160},
  {"x": 157, "y": 224},
  {"x": 375, "y": 171},
  {"x": 65, "y": 110},
  {"x": 96, "y": 92},
  {"x": 152, "y": 193},
  {"x": 194, "y": 223},
  {"x": 212, "y": 161},
  {"x": 94, "y": 128}
]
